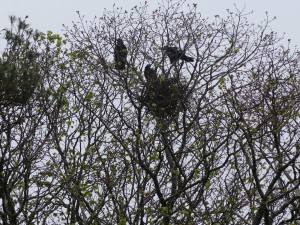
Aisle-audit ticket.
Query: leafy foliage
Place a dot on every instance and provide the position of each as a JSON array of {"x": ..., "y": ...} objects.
[{"x": 213, "y": 141}]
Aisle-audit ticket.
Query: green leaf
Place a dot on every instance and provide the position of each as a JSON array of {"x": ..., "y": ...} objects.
[
  {"x": 222, "y": 80},
  {"x": 122, "y": 222},
  {"x": 186, "y": 213},
  {"x": 164, "y": 210},
  {"x": 89, "y": 96}
]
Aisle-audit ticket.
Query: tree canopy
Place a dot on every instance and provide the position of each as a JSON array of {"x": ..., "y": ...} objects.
[{"x": 94, "y": 130}]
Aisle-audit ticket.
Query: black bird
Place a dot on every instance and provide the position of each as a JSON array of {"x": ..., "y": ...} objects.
[
  {"x": 149, "y": 73},
  {"x": 120, "y": 53},
  {"x": 175, "y": 54}
]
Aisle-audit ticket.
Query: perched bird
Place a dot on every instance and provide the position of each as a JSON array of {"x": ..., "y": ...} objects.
[
  {"x": 149, "y": 73},
  {"x": 175, "y": 54},
  {"x": 120, "y": 53}
]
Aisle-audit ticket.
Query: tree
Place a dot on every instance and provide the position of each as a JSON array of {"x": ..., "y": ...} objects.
[
  {"x": 214, "y": 141},
  {"x": 205, "y": 163},
  {"x": 25, "y": 95}
]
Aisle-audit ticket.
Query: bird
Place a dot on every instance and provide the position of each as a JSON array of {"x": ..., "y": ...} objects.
[
  {"x": 120, "y": 53},
  {"x": 175, "y": 54},
  {"x": 149, "y": 73}
]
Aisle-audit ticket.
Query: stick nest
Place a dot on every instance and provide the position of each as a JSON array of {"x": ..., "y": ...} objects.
[{"x": 163, "y": 97}]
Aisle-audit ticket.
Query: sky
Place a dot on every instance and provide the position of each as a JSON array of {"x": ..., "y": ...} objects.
[{"x": 50, "y": 15}]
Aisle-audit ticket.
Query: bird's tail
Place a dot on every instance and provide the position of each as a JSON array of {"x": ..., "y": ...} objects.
[{"x": 188, "y": 59}]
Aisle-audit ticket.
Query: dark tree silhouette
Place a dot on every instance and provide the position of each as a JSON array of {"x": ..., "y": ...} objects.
[
  {"x": 150, "y": 74},
  {"x": 175, "y": 54},
  {"x": 216, "y": 141},
  {"x": 27, "y": 99},
  {"x": 212, "y": 142},
  {"x": 120, "y": 54}
]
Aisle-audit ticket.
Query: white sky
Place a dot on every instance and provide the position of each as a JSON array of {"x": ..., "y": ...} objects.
[{"x": 51, "y": 14}]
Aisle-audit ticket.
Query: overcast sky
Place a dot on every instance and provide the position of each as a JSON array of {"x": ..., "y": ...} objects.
[{"x": 51, "y": 14}]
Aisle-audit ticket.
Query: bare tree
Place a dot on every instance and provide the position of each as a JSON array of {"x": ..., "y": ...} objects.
[
  {"x": 267, "y": 166},
  {"x": 182, "y": 149}
]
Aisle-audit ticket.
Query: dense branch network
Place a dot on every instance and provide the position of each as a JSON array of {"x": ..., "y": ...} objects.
[{"x": 179, "y": 121}]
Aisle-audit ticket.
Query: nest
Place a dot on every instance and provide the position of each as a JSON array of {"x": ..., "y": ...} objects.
[
  {"x": 16, "y": 87},
  {"x": 163, "y": 97}
]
